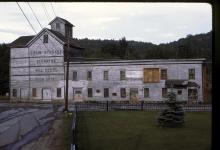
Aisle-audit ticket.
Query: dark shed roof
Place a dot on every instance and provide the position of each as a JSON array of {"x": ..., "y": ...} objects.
[
  {"x": 72, "y": 42},
  {"x": 180, "y": 84},
  {"x": 21, "y": 41}
]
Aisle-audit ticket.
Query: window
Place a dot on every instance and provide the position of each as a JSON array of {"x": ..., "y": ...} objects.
[
  {"x": 106, "y": 92},
  {"x": 14, "y": 93},
  {"x": 58, "y": 92},
  {"x": 34, "y": 92},
  {"x": 192, "y": 94},
  {"x": 122, "y": 75},
  {"x": 164, "y": 92},
  {"x": 179, "y": 92},
  {"x": 151, "y": 75},
  {"x": 74, "y": 75},
  {"x": 105, "y": 75},
  {"x": 89, "y": 92},
  {"x": 146, "y": 92},
  {"x": 57, "y": 26},
  {"x": 89, "y": 75},
  {"x": 163, "y": 74},
  {"x": 97, "y": 91},
  {"x": 45, "y": 38},
  {"x": 123, "y": 92},
  {"x": 191, "y": 74}
]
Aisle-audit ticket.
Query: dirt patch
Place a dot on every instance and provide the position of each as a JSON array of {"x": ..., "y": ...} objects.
[{"x": 53, "y": 139}]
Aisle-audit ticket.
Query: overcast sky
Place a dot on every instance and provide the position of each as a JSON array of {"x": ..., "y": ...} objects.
[{"x": 149, "y": 22}]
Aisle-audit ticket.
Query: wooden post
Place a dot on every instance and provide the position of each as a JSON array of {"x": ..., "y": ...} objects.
[{"x": 67, "y": 76}]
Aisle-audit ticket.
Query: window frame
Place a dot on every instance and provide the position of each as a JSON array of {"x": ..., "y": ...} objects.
[
  {"x": 163, "y": 75},
  {"x": 106, "y": 92},
  {"x": 191, "y": 73},
  {"x": 105, "y": 75},
  {"x": 89, "y": 92},
  {"x": 89, "y": 75},
  {"x": 45, "y": 38},
  {"x": 122, "y": 75},
  {"x": 14, "y": 92},
  {"x": 58, "y": 26},
  {"x": 147, "y": 95},
  {"x": 34, "y": 92},
  {"x": 75, "y": 76},
  {"x": 123, "y": 95},
  {"x": 59, "y": 92}
]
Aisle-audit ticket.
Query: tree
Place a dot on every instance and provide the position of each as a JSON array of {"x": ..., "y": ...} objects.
[
  {"x": 124, "y": 48},
  {"x": 173, "y": 116}
]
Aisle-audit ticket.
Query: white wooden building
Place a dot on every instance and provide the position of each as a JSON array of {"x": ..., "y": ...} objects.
[{"x": 37, "y": 72}]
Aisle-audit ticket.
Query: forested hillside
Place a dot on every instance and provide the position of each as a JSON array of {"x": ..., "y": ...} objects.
[{"x": 192, "y": 46}]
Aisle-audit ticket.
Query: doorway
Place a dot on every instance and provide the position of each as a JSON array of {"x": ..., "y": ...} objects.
[
  {"x": 47, "y": 94},
  {"x": 77, "y": 94}
]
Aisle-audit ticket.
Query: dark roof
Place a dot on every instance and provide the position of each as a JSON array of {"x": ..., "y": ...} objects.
[
  {"x": 65, "y": 39},
  {"x": 64, "y": 20},
  {"x": 21, "y": 41},
  {"x": 180, "y": 83}
]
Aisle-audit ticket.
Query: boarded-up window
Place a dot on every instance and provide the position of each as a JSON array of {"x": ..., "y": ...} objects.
[
  {"x": 122, "y": 75},
  {"x": 192, "y": 74},
  {"x": 14, "y": 92},
  {"x": 58, "y": 92},
  {"x": 89, "y": 92},
  {"x": 106, "y": 92},
  {"x": 151, "y": 75},
  {"x": 164, "y": 92},
  {"x": 74, "y": 75},
  {"x": 89, "y": 75},
  {"x": 105, "y": 75},
  {"x": 123, "y": 92},
  {"x": 163, "y": 74},
  {"x": 146, "y": 92},
  {"x": 45, "y": 38},
  {"x": 34, "y": 92}
]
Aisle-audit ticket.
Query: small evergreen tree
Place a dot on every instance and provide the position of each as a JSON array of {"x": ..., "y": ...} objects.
[{"x": 173, "y": 116}]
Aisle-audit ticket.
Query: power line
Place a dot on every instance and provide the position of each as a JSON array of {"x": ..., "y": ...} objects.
[
  {"x": 45, "y": 11},
  {"x": 53, "y": 9},
  {"x": 34, "y": 14},
  {"x": 26, "y": 17}
]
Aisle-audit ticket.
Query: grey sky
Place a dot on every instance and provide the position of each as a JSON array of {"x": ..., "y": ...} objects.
[{"x": 148, "y": 22}]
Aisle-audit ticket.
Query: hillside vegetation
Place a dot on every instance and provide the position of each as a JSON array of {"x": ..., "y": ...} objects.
[{"x": 192, "y": 46}]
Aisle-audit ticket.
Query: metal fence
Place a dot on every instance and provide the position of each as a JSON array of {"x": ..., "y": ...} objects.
[
  {"x": 141, "y": 105},
  {"x": 74, "y": 130},
  {"x": 121, "y": 105}
]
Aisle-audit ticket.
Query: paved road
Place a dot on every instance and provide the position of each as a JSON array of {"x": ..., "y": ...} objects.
[{"x": 22, "y": 123}]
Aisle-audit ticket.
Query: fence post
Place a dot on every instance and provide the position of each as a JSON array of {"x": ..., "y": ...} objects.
[
  {"x": 142, "y": 105},
  {"x": 107, "y": 105}
]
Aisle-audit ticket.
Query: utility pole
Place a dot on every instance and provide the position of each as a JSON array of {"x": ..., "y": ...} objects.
[{"x": 67, "y": 76}]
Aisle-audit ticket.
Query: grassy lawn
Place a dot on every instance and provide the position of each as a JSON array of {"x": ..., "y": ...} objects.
[
  {"x": 67, "y": 131},
  {"x": 136, "y": 130}
]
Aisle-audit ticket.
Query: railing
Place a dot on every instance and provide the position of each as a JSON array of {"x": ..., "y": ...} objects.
[{"x": 141, "y": 105}]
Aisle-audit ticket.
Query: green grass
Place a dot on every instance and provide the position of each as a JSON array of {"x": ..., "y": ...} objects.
[
  {"x": 137, "y": 130},
  {"x": 67, "y": 130}
]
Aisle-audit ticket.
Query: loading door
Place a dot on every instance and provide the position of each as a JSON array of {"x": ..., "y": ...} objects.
[
  {"x": 47, "y": 94},
  {"x": 24, "y": 94},
  {"x": 134, "y": 94}
]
